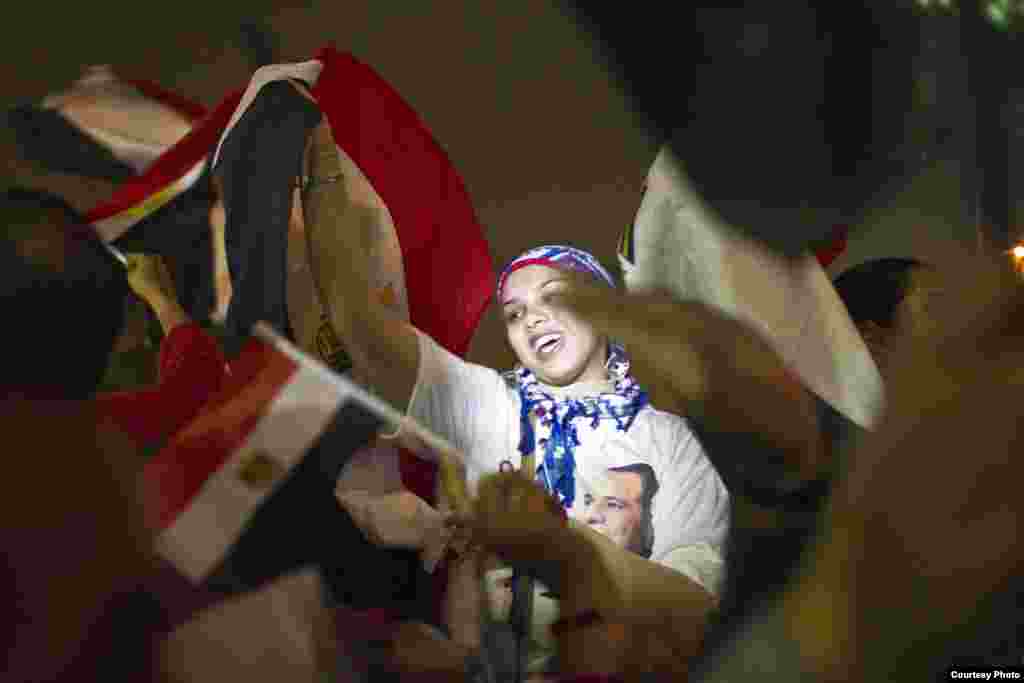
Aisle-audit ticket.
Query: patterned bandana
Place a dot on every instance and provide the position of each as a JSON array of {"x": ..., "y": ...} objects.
[
  {"x": 551, "y": 422},
  {"x": 556, "y": 256}
]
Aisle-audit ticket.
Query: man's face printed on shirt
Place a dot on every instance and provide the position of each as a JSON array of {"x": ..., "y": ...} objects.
[
  {"x": 619, "y": 515},
  {"x": 554, "y": 344}
]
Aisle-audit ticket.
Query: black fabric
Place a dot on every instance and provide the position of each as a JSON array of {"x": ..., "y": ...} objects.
[
  {"x": 259, "y": 163},
  {"x": 47, "y": 138},
  {"x": 754, "y": 469},
  {"x": 810, "y": 99},
  {"x": 180, "y": 232},
  {"x": 995, "y": 637},
  {"x": 298, "y": 524}
]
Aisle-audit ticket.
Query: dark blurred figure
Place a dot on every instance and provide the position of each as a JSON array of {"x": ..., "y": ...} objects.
[
  {"x": 890, "y": 298},
  {"x": 72, "y": 535},
  {"x": 63, "y": 294},
  {"x": 83, "y": 596},
  {"x": 896, "y": 301},
  {"x": 787, "y": 114}
]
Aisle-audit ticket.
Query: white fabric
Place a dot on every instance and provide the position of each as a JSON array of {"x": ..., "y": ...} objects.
[
  {"x": 682, "y": 246},
  {"x": 200, "y": 536},
  {"x": 474, "y": 408}
]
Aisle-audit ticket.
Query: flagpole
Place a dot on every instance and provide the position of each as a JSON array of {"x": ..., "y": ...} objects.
[
  {"x": 449, "y": 458},
  {"x": 117, "y": 253}
]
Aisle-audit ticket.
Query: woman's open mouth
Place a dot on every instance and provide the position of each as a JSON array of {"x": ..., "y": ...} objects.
[{"x": 547, "y": 344}]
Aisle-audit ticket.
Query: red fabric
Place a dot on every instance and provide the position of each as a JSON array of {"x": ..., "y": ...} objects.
[
  {"x": 444, "y": 252},
  {"x": 173, "y": 477},
  {"x": 550, "y": 263},
  {"x": 191, "y": 372},
  {"x": 448, "y": 268},
  {"x": 830, "y": 252},
  {"x": 443, "y": 248}
]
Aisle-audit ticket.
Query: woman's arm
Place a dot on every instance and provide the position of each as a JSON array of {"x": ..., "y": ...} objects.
[{"x": 340, "y": 224}]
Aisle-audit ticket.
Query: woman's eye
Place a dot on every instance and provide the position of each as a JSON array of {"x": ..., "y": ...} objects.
[
  {"x": 513, "y": 316},
  {"x": 553, "y": 297}
]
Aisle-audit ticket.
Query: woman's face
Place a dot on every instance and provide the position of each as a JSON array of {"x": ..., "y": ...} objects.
[{"x": 555, "y": 345}]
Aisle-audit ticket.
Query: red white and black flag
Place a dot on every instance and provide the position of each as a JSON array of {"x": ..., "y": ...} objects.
[
  {"x": 213, "y": 481},
  {"x": 386, "y": 143},
  {"x": 427, "y": 211}
]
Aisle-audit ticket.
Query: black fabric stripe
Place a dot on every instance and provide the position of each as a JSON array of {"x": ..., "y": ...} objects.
[{"x": 258, "y": 165}]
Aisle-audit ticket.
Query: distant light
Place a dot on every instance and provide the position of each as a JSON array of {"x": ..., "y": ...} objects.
[{"x": 1018, "y": 252}]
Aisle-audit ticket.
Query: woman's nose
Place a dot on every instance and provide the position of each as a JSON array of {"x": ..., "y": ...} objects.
[{"x": 535, "y": 316}]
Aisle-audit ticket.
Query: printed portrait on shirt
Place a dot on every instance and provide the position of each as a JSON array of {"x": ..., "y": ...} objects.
[{"x": 623, "y": 513}]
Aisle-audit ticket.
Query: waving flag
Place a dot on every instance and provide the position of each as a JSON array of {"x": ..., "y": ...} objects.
[
  {"x": 427, "y": 222},
  {"x": 215, "y": 480},
  {"x": 678, "y": 244},
  {"x": 428, "y": 213},
  {"x": 173, "y": 173},
  {"x": 426, "y": 204}
]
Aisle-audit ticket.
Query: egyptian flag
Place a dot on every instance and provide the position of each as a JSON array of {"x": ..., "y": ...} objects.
[
  {"x": 383, "y": 141},
  {"x": 677, "y": 244},
  {"x": 244, "y": 494},
  {"x": 434, "y": 265},
  {"x": 166, "y": 209},
  {"x": 426, "y": 224},
  {"x": 125, "y": 131},
  {"x": 431, "y": 223}
]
